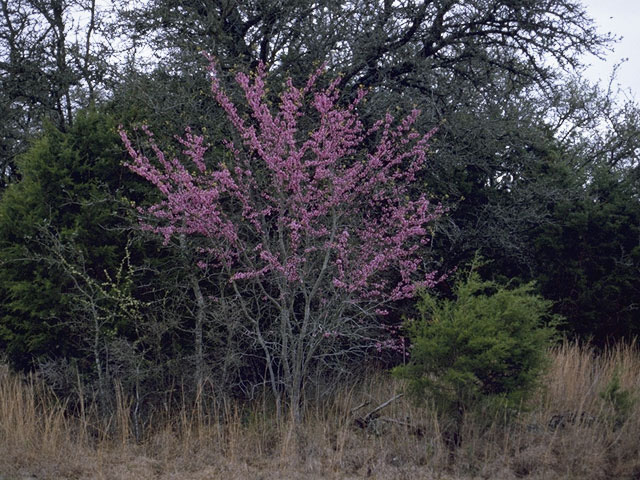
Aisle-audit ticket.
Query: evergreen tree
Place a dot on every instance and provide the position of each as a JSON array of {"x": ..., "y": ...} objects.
[
  {"x": 72, "y": 189},
  {"x": 589, "y": 258},
  {"x": 485, "y": 347}
]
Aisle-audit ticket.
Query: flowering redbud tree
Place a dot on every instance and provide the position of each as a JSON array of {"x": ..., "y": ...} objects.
[{"x": 316, "y": 235}]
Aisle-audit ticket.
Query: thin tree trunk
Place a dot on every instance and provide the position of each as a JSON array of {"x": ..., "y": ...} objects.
[
  {"x": 200, "y": 317},
  {"x": 201, "y": 312}
]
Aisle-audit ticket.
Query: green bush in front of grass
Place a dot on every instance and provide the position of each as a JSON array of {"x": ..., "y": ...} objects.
[{"x": 487, "y": 346}]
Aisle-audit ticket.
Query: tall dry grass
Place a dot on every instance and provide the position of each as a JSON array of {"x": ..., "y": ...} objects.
[{"x": 569, "y": 430}]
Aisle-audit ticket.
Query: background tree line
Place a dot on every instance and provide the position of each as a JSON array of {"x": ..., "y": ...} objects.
[{"x": 538, "y": 168}]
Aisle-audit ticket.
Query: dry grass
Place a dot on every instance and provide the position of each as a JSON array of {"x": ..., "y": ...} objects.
[{"x": 569, "y": 431}]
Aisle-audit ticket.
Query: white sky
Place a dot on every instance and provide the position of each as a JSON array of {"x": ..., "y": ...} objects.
[{"x": 622, "y": 18}]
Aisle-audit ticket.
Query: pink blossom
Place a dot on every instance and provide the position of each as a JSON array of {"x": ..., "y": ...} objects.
[{"x": 305, "y": 208}]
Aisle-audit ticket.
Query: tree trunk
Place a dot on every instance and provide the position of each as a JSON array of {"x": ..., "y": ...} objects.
[{"x": 200, "y": 317}]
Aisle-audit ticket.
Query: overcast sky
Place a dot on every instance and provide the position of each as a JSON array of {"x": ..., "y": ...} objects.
[{"x": 622, "y": 18}]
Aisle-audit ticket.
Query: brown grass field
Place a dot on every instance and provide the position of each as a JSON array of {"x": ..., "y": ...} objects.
[{"x": 568, "y": 431}]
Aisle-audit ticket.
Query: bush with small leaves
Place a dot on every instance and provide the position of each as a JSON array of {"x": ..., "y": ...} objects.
[{"x": 487, "y": 346}]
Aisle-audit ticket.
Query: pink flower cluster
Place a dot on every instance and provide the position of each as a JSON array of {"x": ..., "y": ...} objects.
[{"x": 300, "y": 204}]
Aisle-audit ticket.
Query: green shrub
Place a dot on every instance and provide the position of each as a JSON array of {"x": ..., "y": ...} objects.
[
  {"x": 486, "y": 346},
  {"x": 621, "y": 400}
]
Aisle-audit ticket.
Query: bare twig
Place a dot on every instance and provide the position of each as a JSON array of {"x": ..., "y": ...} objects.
[
  {"x": 366, "y": 421},
  {"x": 369, "y": 415},
  {"x": 363, "y": 404}
]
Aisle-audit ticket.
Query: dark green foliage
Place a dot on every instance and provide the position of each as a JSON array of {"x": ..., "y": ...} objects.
[
  {"x": 489, "y": 344},
  {"x": 589, "y": 258},
  {"x": 71, "y": 187}
]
